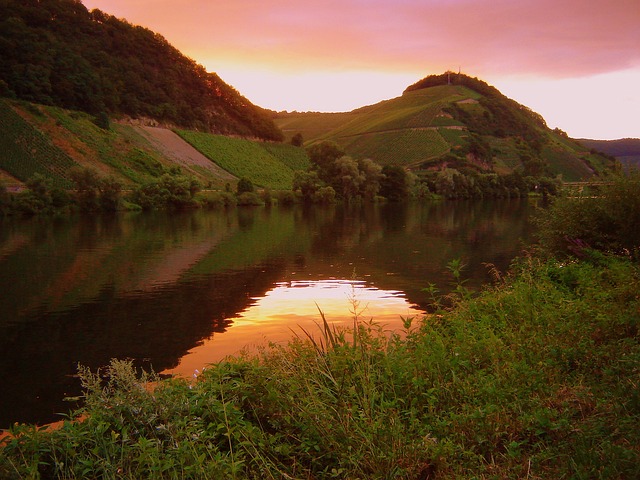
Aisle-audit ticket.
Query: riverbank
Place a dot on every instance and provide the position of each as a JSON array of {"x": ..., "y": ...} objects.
[{"x": 536, "y": 377}]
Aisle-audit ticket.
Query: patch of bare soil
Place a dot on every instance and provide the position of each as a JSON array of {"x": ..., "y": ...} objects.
[{"x": 176, "y": 149}]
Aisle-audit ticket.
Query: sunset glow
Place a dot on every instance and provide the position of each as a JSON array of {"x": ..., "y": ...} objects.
[
  {"x": 289, "y": 308},
  {"x": 576, "y": 63}
]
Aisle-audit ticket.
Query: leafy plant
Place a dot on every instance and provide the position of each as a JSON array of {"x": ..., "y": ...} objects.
[{"x": 608, "y": 221}]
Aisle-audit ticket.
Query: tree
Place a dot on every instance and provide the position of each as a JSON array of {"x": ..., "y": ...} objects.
[
  {"x": 110, "y": 190},
  {"x": 348, "y": 179},
  {"x": 87, "y": 183},
  {"x": 297, "y": 140},
  {"x": 372, "y": 173},
  {"x": 244, "y": 185},
  {"x": 322, "y": 156},
  {"x": 394, "y": 183},
  {"x": 307, "y": 183}
]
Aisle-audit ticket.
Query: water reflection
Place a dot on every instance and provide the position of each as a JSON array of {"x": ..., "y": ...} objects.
[
  {"x": 293, "y": 308},
  {"x": 155, "y": 287}
]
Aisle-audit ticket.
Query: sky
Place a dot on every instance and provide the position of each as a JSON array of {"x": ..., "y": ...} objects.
[{"x": 576, "y": 62}]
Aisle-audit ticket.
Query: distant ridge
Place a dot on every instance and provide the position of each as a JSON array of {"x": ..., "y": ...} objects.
[
  {"x": 56, "y": 52},
  {"x": 626, "y": 150}
]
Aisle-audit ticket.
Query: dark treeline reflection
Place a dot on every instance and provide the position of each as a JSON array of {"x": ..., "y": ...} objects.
[{"x": 152, "y": 286}]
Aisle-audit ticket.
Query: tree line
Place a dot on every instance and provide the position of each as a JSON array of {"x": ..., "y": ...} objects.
[{"x": 335, "y": 176}]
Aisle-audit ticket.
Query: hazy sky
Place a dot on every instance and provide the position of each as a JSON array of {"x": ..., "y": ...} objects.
[{"x": 576, "y": 62}]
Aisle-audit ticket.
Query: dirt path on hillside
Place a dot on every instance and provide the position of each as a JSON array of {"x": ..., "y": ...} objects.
[{"x": 175, "y": 148}]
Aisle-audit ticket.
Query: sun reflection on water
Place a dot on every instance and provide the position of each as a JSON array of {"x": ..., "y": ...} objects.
[{"x": 289, "y": 307}]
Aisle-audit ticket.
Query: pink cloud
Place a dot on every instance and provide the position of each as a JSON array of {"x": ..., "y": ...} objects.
[{"x": 550, "y": 37}]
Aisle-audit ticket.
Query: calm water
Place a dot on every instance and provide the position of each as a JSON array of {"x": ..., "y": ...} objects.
[{"x": 177, "y": 291}]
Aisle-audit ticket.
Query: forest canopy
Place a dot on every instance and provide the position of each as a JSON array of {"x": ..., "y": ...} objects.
[{"x": 56, "y": 52}]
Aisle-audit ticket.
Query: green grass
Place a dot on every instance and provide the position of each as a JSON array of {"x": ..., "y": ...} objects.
[
  {"x": 536, "y": 377},
  {"x": 258, "y": 162}
]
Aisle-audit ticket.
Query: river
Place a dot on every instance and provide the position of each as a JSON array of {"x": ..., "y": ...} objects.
[{"x": 176, "y": 291}]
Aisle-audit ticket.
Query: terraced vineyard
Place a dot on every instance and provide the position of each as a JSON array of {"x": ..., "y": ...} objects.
[
  {"x": 426, "y": 126},
  {"x": 401, "y": 147},
  {"x": 262, "y": 163},
  {"x": 25, "y": 151}
]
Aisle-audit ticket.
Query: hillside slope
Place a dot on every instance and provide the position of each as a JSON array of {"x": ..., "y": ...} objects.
[
  {"x": 51, "y": 140},
  {"x": 627, "y": 150},
  {"x": 441, "y": 122},
  {"x": 56, "y": 52}
]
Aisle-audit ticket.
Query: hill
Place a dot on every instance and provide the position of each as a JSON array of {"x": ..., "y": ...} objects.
[
  {"x": 451, "y": 121},
  {"x": 50, "y": 140},
  {"x": 56, "y": 52},
  {"x": 626, "y": 150}
]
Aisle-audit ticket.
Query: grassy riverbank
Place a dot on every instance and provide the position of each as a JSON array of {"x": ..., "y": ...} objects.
[{"x": 536, "y": 377}]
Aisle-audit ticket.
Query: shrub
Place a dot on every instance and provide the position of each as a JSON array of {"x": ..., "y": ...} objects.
[
  {"x": 249, "y": 199},
  {"x": 244, "y": 185},
  {"x": 286, "y": 197},
  {"x": 169, "y": 191},
  {"x": 216, "y": 199},
  {"x": 608, "y": 222}
]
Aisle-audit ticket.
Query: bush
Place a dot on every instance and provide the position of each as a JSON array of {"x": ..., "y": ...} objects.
[
  {"x": 168, "y": 192},
  {"x": 608, "y": 222},
  {"x": 244, "y": 185},
  {"x": 286, "y": 197},
  {"x": 216, "y": 199},
  {"x": 249, "y": 199}
]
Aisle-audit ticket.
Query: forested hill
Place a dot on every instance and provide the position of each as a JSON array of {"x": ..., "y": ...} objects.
[{"x": 56, "y": 52}]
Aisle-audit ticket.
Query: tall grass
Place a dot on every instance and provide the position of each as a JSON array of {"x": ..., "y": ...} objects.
[{"x": 536, "y": 377}]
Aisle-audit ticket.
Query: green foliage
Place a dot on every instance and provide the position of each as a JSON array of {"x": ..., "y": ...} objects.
[
  {"x": 40, "y": 197},
  {"x": 297, "y": 140},
  {"x": 95, "y": 193},
  {"x": 535, "y": 377},
  {"x": 25, "y": 151},
  {"x": 454, "y": 184},
  {"x": 394, "y": 184},
  {"x": 608, "y": 221},
  {"x": 248, "y": 159},
  {"x": 168, "y": 192},
  {"x": 250, "y": 199},
  {"x": 293, "y": 157},
  {"x": 335, "y": 174},
  {"x": 244, "y": 185},
  {"x": 405, "y": 147},
  {"x": 216, "y": 199},
  {"x": 102, "y": 121},
  {"x": 56, "y": 52}
]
